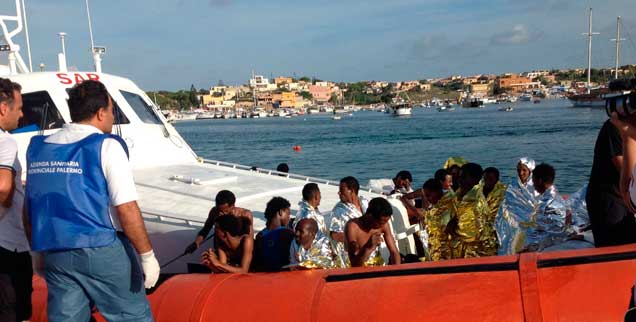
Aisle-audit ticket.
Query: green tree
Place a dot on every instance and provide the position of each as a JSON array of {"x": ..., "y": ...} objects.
[
  {"x": 307, "y": 95},
  {"x": 305, "y": 79},
  {"x": 192, "y": 96}
]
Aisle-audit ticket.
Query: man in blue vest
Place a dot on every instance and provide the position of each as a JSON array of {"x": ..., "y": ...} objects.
[{"x": 82, "y": 209}]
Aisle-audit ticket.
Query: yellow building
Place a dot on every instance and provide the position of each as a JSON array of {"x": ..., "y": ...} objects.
[
  {"x": 283, "y": 80},
  {"x": 480, "y": 89}
]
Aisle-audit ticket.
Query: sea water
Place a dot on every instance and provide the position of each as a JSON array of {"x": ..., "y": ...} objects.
[{"x": 372, "y": 145}]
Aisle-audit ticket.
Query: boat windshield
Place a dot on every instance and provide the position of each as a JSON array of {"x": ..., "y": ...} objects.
[
  {"x": 39, "y": 113},
  {"x": 145, "y": 111}
]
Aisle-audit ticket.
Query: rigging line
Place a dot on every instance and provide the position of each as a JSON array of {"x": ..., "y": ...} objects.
[{"x": 631, "y": 42}]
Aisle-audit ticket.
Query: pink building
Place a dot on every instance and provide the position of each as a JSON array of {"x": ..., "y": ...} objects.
[{"x": 321, "y": 94}]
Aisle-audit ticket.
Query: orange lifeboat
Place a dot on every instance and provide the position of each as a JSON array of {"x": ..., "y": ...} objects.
[{"x": 578, "y": 285}]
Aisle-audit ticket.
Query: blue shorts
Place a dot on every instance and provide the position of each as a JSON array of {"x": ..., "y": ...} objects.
[{"x": 109, "y": 277}]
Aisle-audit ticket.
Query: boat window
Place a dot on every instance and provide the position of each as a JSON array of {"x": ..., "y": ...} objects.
[
  {"x": 39, "y": 113},
  {"x": 145, "y": 111},
  {"x": 119, "y": 116}
]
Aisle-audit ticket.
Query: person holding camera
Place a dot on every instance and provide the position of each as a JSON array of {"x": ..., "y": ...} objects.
[{"x": 610, "y": 215}]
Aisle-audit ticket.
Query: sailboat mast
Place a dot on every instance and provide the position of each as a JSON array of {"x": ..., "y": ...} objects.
[
  {"x": 589, "y": 53},
  {"x": 618, "y": 44}
]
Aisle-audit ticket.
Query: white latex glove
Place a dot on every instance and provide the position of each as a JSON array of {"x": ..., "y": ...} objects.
[
  {"x": 37, "y": 262},
  {"x": 151, "y": 268}
]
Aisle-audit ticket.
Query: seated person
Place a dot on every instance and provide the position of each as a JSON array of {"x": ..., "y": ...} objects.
[
  {"x": 436, "y": 217},
  {"x": 350, "y": 206},
  {"x": 402, "y": 182},
  {"x": 550, "y": 223},
  {"x": 445, "y": 178},
  {"x": 454, "y": 171},
  {"x": 364, "y": 235},
  {"x": 271, "y": 247},
  {"x": 309, "y": 207},
  {"x": 224, "y": 205},
  {"x": 525, "y": 166},
  {"x": 233, "y": 253},
  {"x": 310, "y": 249},
  {"x": 494, "y": 192},
  {"x": 516, "y": 210},
  {"x": 472, "y": 209}
]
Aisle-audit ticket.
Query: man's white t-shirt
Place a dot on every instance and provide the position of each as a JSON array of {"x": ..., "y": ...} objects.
[
  {"x": 12, "y": 236},
  {"x": 117, "y": 169}
]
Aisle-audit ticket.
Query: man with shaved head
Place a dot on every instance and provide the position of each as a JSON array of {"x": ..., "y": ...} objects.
[{"x": 310, "y": 249}]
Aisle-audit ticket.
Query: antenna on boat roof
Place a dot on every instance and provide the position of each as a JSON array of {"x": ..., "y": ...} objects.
[
  {"x": 16, "y": 63},
  {"x": 96, "y": 51},
  {"x": 61, "y": 57},
  {"x": 26, "y": 33}
]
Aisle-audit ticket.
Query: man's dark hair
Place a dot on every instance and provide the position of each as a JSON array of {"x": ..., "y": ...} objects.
[
  {"x": 433, "y": 185},
  {"x": 225, "y": 197},
  {"x": 7, "y": 87},
  {"x": 545, "y": 172},
  {"x": 351, "y": 183},
  {"x": 309, "y": 191},
  {"x": 472, "y": 170},
  {"x": 440, "y": 175},
  {"x": 379, "y": 207},
  {"x": 492, "y": 170},
  {"x": 283, "y": 167},
  {"x": 85, "y": 99},
  {"x": 404, "y": 175},
  {"x": 275, "y": 205},
  {"x": 233, "y": 225},
  {"x": 313, "y": 225},
  {"x": 454, "y": 166}
]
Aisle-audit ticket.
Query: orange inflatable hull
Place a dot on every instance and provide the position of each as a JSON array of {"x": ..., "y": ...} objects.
[{"x": 582, "y": 285}]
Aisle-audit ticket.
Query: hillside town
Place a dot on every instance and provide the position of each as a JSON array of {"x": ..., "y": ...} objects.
[{"x": 288, "y": 96}]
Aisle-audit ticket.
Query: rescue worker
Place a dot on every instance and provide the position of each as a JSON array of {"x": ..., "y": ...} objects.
[
  {"x": 15, "y": 271},
  {"x": 82, "y": 209}
]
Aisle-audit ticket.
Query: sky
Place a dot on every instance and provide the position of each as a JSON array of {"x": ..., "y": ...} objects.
[{"x": 171, "y": 44}]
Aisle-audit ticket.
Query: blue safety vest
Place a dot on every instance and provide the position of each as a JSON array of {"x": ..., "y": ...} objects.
[{"x": 67, "y": 194}]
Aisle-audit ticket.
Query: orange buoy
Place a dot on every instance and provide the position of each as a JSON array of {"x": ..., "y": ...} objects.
[{"x": 297, "y": 148}]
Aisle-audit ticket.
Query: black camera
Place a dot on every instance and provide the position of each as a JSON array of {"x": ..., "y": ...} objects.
[{"x": 622, "y": 103}]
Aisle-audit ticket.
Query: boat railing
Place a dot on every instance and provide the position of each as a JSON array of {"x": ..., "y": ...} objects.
[
  {"x": 283, "y": 174},
  {"x": 173, "y": 218}
]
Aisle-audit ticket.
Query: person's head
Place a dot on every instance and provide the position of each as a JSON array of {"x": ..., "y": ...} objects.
[
  {"x": 445, "y": 178},
  {"x": 491, "y": 177},
  {"x": 10, "y": 104},
  {"x": 454, "y": 171},
  {"x": 225, "y": 200},
  {"x": 543, "y": 177},
  {"x": 230, "y": 229},
  {"x": 283, "y": 167},
  {"x": 433, "y": 190},
  {"x": 380, "y": 212},
  {"x": 403, "y": 180},
  {"x": 524, "y": 169},
  {"x": 306, "y": 231},
  {"x": 311, "y": 194},
  {"x": 278, "y": 210},
  {"x": 90, "y": 103},
  {"x": 470, "y": 175},
  {"x": 348, "y": 190}
]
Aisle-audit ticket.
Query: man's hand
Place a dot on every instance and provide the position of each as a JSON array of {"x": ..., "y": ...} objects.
[
  {"x": 375, "y": 240},
  {"x": 151, "y": 268},
  {"x": 191, "y": 248},
  {"x": 209, "y": 259}
]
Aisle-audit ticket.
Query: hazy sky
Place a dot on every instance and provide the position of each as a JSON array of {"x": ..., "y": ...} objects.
[{"x": 170, "y": 44}]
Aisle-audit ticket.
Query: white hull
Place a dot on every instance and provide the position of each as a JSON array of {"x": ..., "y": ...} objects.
[{"x": 402, "y": 111}]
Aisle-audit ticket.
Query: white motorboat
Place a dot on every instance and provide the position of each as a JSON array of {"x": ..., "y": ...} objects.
[
  {"x": 205, "y": 116},
  {"x": 401, "y": 109},
  {"x": 176, "y": 187},
  {"x": 313, "y": 111},
  {"x": 445, "y": 108}
]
